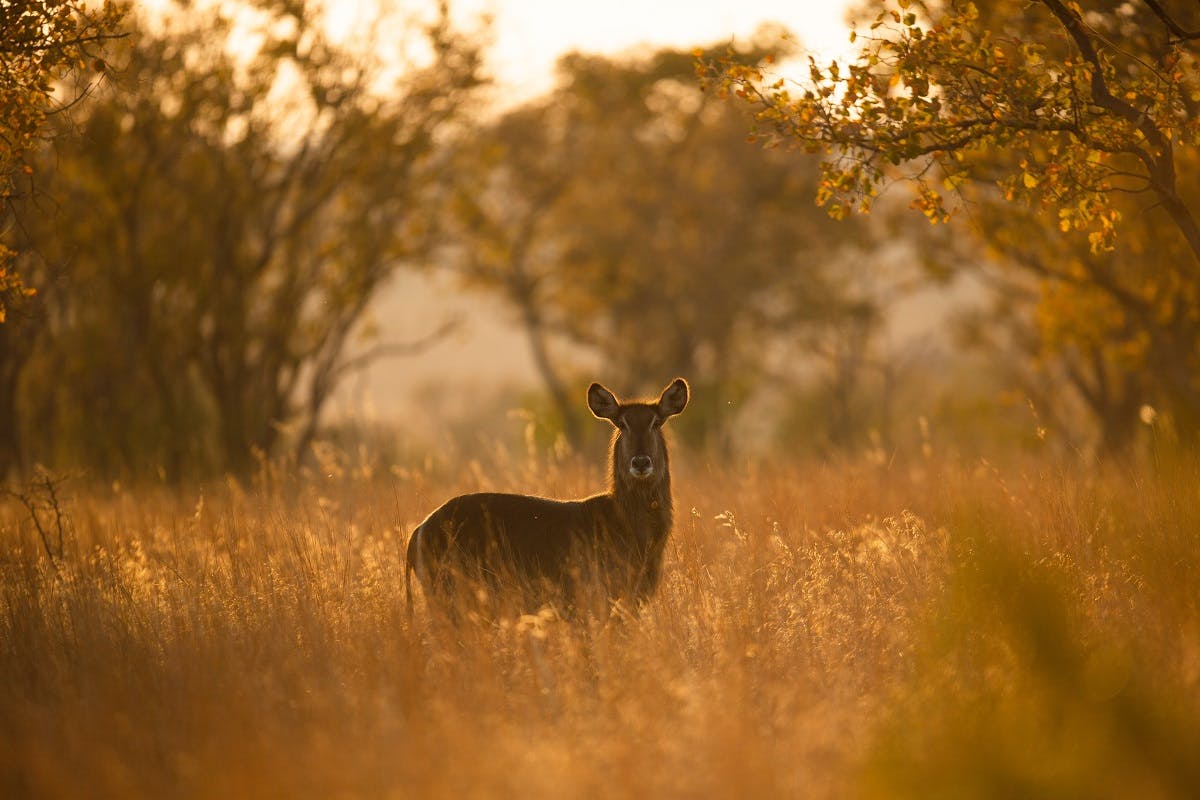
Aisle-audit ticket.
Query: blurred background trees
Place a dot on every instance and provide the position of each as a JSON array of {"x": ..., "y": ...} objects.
[
  {"x": 214, "y": 226},
  {"x": 43, "y": 44},
  {"x": 625, "y": 214},
  {"x": 213, "y": 233}
]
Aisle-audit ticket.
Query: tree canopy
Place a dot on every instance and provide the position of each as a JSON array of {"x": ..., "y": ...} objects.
[
  {"x": 1094, "y": 103},
  {"x": 1087, "y": 115},
  {"x": 217, "y": 232}
]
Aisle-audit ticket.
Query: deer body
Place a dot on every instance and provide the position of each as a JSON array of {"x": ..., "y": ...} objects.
[{"x": 610, "y": 544}]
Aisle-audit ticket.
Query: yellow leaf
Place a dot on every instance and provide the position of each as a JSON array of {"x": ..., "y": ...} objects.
[{"x": 1030, "y": 181}]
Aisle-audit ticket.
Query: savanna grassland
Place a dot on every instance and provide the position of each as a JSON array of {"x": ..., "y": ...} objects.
[{"x": 937, "y": 628}]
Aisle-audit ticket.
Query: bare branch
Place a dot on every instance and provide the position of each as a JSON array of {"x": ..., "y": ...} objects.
[
  {"x": 41, "y": 497},
  {"x": 394, "y": 350}
]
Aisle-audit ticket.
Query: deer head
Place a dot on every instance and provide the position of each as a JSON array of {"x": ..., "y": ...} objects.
[{"x": 639, "y": 451}]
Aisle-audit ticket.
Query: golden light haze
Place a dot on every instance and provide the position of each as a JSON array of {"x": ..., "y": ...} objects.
[
  {"x": 931, "y": 526},
  {"x": 530, "y": 34}
]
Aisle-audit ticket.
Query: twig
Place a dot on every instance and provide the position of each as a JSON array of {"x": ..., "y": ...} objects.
[{"x": 41, "y": 496}]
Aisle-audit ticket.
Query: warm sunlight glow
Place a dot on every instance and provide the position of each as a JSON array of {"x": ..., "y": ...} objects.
[
  {"x": 529, "y": 35},
  {"x": 550, "y": 398}
]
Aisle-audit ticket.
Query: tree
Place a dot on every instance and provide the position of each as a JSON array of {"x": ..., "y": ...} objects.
[
  {"x": 508, "y": 182},
  {"x": 41, "y": 42},
  {"x": 1090, "y": 118},
  {"x": 1118, "y": 327},
  {"x": 230, "y": 219},
  {"x": 625, "y": 213}
]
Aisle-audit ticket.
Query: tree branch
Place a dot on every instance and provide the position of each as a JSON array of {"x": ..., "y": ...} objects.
[
  {"x": 393, "y": 350},
  {"x": 1180, "y": 34},
  {"x": 1160, "y": 158}
]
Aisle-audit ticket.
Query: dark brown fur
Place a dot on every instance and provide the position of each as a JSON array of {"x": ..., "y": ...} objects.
[{"x": 608, "y": 546}]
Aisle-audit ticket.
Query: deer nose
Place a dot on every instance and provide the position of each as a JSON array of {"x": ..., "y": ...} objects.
[{"x": 641, "y": 465}]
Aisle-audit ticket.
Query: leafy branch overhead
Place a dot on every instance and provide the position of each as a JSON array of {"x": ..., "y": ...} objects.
[
  {"x": 41, "y": 42},
  {"x": 1091, "y": 105}
]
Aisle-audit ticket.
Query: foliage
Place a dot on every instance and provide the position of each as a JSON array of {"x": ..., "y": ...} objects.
[
  {"x": 41, "y": 42},
  {"x": 1088, "y": 117},
  {"x": 1119, "y": 328},
  {"x": 1026, "y": 630},
  {"x": 937, "y": 85},
  {"x": 219, "y": 228},
  {"x": 13, "y": 291}
]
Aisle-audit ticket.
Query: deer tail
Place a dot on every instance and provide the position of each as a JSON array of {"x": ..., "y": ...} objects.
[{"x": 408, "y": 571}]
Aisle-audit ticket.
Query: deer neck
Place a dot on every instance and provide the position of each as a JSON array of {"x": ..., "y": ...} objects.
[{"x": 645, "y": 508}]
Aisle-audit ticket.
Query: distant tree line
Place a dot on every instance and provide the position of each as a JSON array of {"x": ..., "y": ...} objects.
[
  {"x": 209, "y": 230},
  {"x": 203, "y": 236}
]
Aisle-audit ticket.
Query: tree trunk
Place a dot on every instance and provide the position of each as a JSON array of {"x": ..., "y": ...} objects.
[
  {"x": 539, "y": 347},
  {"x": 10, "y": 438},
  {"x": 17, "y": 336}
]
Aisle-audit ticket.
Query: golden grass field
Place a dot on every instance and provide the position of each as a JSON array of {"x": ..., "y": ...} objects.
[{"x": 942, "y": 628}]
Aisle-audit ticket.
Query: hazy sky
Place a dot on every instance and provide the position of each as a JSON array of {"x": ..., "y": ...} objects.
[{"x": 530, "y": 34}]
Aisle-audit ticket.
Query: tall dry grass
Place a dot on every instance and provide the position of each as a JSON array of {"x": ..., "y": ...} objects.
[{"x": 935, "y": 629}]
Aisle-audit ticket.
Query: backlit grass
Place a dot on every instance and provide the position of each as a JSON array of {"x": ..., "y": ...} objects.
[{"x": 933, "y": 629}]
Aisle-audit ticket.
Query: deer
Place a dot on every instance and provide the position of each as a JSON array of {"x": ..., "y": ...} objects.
[{"x": 606, "y": 548}]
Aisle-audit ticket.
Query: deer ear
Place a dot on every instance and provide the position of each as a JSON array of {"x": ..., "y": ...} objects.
[
  {"x": 603, "y": 403},
  {"x": 674, "y": 398}
]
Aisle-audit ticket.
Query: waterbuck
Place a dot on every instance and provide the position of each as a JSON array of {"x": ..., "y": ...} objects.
[{"x": 603, "y": 548}]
